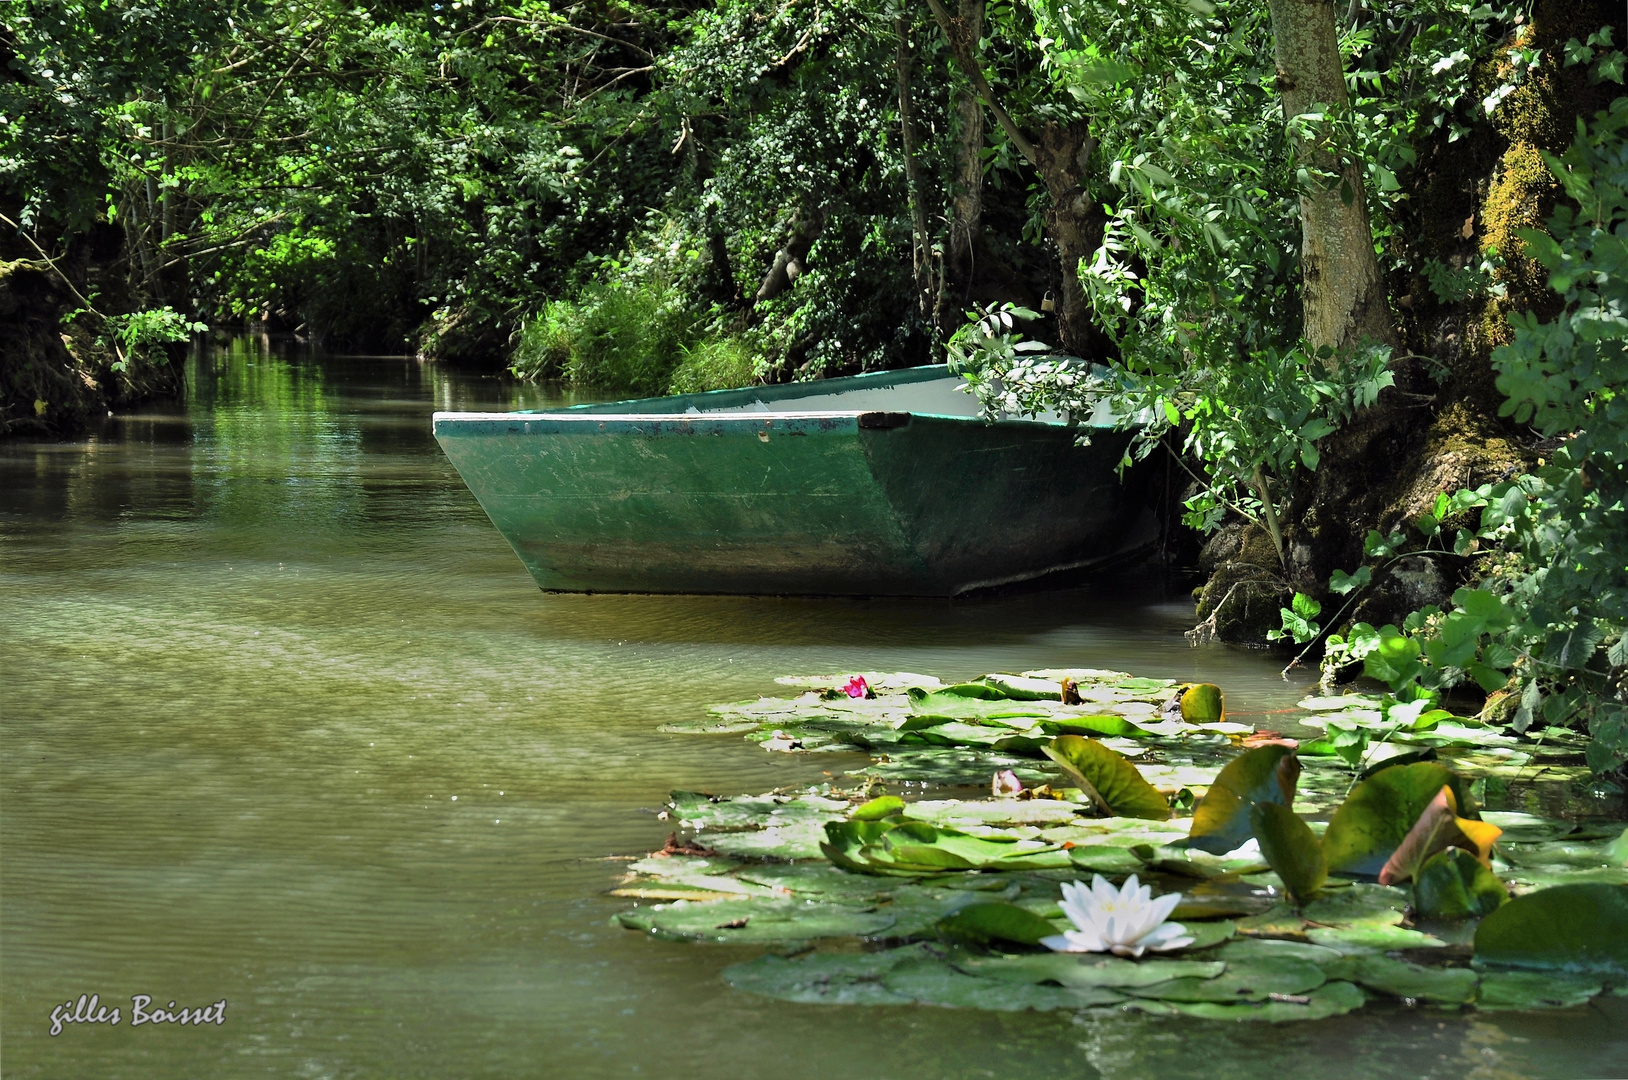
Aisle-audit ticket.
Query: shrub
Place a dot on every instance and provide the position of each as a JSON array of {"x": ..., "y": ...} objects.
[
  {"x": 632, "y": 337},
  {"x": 717, "y": 363},
  {"x": 547, "y": 341}
]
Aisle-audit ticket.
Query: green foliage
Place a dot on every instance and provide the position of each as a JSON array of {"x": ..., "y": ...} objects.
[
  {"x": 1222, "y": 820},
  {"x": 1291, "y": 849},
  {"x": 630, "y": 337},
  {"x": 1113, "y": 784},
  {"x": 1379, "y": 813},
  {"x": 547, "y": 341},
  {"x": 1453, "y": 884},
  {"x": 1551, "y": 608},
  {"x": 716, "y": 363},
  {"x": 1297, "y": 621},
  {"x": 1578, "y": 928},
  {"x": 142, "y": 335}
]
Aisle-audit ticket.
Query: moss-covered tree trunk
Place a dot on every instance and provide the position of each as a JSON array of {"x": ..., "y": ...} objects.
[{"x": 1343, "y": 295}]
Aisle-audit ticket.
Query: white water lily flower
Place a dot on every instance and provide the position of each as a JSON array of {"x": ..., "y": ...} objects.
[{"x": 1126, "y": 922}]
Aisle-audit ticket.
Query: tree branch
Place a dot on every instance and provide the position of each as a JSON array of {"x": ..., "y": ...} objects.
[{"x": 968, "y": 63}]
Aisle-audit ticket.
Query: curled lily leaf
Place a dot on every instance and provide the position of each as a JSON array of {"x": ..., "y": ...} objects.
[
  {"x": 1438, "y": 828},
  {"x": 1125, "y": 921}
]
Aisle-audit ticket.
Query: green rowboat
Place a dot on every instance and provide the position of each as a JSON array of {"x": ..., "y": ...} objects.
[{"x": 887, "y": 484}]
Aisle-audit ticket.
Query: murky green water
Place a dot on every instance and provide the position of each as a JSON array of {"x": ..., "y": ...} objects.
[{"x": 283, "y": 721}]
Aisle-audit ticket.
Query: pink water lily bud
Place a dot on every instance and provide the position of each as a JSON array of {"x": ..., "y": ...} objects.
[
  {"x": 857, "y": 687},
  {"x": 1006, "y": 784}
]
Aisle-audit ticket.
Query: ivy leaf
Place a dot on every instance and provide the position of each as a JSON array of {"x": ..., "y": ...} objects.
[{"x": 1341, "y": 583}]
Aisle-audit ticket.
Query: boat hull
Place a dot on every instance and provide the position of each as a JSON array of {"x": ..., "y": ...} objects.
[{"x": 870, "y": 503}]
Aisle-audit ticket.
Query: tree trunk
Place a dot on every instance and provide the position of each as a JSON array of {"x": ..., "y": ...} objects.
[
  {"x": 921, "y": 244},
  {"x": 1061, "y": 158},
  {"x": 1076, "y": 226},
  {"x": 789, "y": 261},
  {"x": 966, "y": 178},
  {"x": 1343, "y": 295}
]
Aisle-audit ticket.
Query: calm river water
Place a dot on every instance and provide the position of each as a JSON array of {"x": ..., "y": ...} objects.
[{"x": 283, "y": 722}]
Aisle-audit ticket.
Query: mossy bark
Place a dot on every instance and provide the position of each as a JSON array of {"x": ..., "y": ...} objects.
[
  {"x": 1343, "y": 295},
  {"x": 1467, "y": 199}
]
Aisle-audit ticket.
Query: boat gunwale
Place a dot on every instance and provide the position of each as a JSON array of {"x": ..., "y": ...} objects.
[{"x": 754, "y": 419}]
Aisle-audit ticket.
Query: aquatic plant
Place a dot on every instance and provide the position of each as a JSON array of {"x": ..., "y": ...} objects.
[
  {"x": 961, "y": 901},
  {"x": 1126, "y": 921}
]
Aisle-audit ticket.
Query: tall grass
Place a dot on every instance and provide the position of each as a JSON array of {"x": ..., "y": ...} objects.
[
  {"x": 635, "y": 338},
  {"x": 547, "y": 341},
  {"x": 716, "y": 363}
]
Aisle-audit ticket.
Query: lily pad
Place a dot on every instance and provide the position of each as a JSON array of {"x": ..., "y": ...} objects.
[
  {"x": 1438, "y": 827},
  {"x": 1534, "y": 990},
  {"x": 1455, "y": 885},
  {"x": 1112, "y": 782},
  {"x": 1443, "y": 985},
  {"x": 1202, "y": 703},
  {"x": 1025, "y": 688},
  {"x": 1079, "y": 971},
  {"x": 996, "y": 922},
  {"x": 1090, "y": 725},
  {"x": 904, "y": 847},
  {"x": 820, "y": 978},
  {"x": 1281, "y": 920},
  {"x": 1269, "y": 949},
  {"x": 1244, "y": 980},
  {"x": 1209, "y": 934},
  {"x": 877, "y": 809},
  {"x": 1267, "y": 774},
  {"x": 755, "y": 922},
  {"x": 1355, "y": 940},
  {"x": 1102, "y": 859},
  {"x": 817, "y": 879},
  {"x": 933, "y": 982},
  {"x": 1291, "y": 849},
  {"x": 960, "y": 703},
  {"x": 1372, "y": 823},
  {"x": 1330, "y": 999},
  {"x": 962, "y": 813},
  {"x": 790, "y": 842},
  {"x": 1576, "y": 928},
  {"x": 1362, "y": 904}
]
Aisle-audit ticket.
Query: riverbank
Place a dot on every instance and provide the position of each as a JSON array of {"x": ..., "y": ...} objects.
[{"x": 56, "y": 375}]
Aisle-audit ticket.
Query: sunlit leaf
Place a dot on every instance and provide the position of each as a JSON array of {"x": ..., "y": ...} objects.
[
  {"x": 1291, "y": 849},
  {"x": 1379, "y": 813},
  {"x": 1108, "y": 778},
  {"x": 1266, "y": 774},
  {"x": 1438, "y": 827}
]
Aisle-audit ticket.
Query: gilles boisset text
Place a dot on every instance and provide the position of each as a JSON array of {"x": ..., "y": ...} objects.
[{"x": 90, "y": 1010}]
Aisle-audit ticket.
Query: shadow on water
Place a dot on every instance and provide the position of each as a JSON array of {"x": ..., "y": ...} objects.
[{"x": 253, "y": 646}]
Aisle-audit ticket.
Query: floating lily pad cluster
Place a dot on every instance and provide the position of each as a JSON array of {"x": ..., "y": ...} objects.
[
  {"x": 997, "y": 719},
  {"x": 1403, "y": 892}
]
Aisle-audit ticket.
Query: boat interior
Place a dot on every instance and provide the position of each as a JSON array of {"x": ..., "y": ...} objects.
[{"x": 923, "y": 391}]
